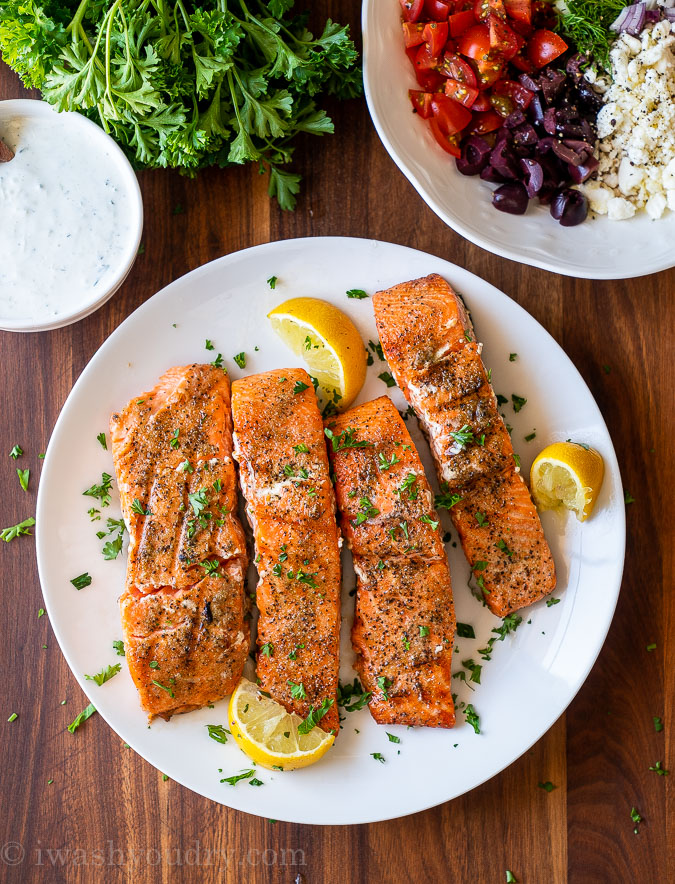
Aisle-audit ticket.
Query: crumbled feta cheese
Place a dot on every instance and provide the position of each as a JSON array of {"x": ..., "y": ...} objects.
[
  {"x": 618, "y": 209},
  {"x": 636, "y": 127}
]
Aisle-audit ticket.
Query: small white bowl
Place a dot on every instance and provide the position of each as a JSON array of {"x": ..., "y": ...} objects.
[
  {"x": 92, "y": 137},
  {"x": 597, "y": 249}
]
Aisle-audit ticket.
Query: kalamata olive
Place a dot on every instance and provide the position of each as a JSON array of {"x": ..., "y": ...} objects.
[
  {"x": 584, "y": 171},
  {"x": 570, "y": 207},
  {"x": 511, "y": 198},
  {"x": 503, "y": 160},
  {"x": 475, "y": 155},
  {"x": 534, "y": 176}
]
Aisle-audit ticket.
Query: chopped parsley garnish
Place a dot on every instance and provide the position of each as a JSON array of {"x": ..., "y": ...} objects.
[
  {"x": 13, "y": 717},
  {"x": 424, "y": 631},
  {"x": 272, "y": 282},
  {"x": 81, "y": 581},
  {"x": 637, "y": 819},
  {"x": 509, "y": 624},
  {"x": 481, "y": 519},
  {"x": 217, "y": 732},
  {"x": 163, "y": 687},
  {"x": 352, "y": 697},
  {"x": 19, "y": 530},
  {"x": 446, "y": 501},
  {"x": 82, "y": 717},
  {"x": 297, "y": 690},
  {"x": 387, "y": 378},
  {"x": 467, "y": 336},
  {"x": 473, "y": 668},
  {"x": 463, "y": 437},
  {"x": 301, "y": 448},
  {"x": 211, "y": 567},
  {"x": 551, "y": 602},
  {"x": 659, "y": 769},
  {"x": 16, "y": 451},
  {"x": 472, "y": 718},
  {"x": 376, "y": 347},
  {"x": 41, "y": 612},
  {"x": 658, "y": 724},
  {"x": 315, "y": 716},
  {"x": 186, "y": 467},
  {"x": 628, "y": 497},
  {"x": 94, "y": 514},
  {"x": 173, "y": 442},
  {"x": 547, "y": 786},
  {"x": 294, "y": 653},
  {"x": 530, "y": 436},
  {"x": 479, "y": 565},
  {"x": 240, "y": 359},
  {"x": 503, "y": 547},
  {"x": 384, "y": 684},
  {"x": 102, "y": 441},
  {"x": 218, "y": 362},
  {"x": 392, "y": 738},
  {"x": 384, "y": 464},
  {"x": 501, "y": 400},
  {"x": 198, "y": 501},
  {"x": 518, "y": 402},
  {"x": 345, "y": 440},
  {"x": 102, "y": 491},
  {"x": 113, "y": 547},
  {"x": 367, "y": 511},
  {"x": 511, "y": 878},
  {"x": 105, "y": 674},
  {"x": 217, "y": 485},
  {"x": 137, "y": 507},
  {"x": 513, "y": 357},
  {"x": 267, "y": 650},
  {"x": 429, "y": 521},
  {"x": 465, "y": 630},
  {"x": 378, "y": 756},
  {"x": 118, "y": 647},
  {"x": 209, "y": 345},
  {"x": 516, "y": 460},
  {"x": 651, "y": 646},
  {"x": 408, "y": 484},
  {"x": 359, "y": 294},
  {"x": 299, "y": 387},
  {"x": 244, "y": 775}
]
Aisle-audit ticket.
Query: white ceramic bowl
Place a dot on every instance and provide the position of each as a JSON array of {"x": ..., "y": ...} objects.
[
  {"x": 596, "y": 249},
  {"x": 92, "y": 137}
]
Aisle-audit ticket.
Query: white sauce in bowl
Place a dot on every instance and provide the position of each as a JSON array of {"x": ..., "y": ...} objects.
[{"x": 70, "y": 218}]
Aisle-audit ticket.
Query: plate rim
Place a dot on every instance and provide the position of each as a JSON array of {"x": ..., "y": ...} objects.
[
  {"x": 41, "y": 516},
  {"x": 453, "y": 221}
]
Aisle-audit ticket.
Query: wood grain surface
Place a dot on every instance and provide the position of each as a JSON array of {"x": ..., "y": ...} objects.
[{"x": 109, "y": 816}]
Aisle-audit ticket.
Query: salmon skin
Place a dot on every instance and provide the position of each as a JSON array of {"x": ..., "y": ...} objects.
[
  {"x": 283, "y": 468},
  {"x": 184, "y": 603},
  {"x": 404, "y": 625},
  {"x": 429, "y": 342}
]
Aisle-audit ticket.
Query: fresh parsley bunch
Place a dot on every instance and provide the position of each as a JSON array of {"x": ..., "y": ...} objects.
[{"x": 186, "y": 85}]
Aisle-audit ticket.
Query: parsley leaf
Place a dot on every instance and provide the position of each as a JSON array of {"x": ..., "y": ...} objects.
[
  {"x": 217, "y": 732},
  {"x": 82, "y": 717},
  {"x": 19, "y": 530},
  {"x": 16, "y": 451},
  {"x": 315, "y": 716},
  {"x": 359, "y": 294},
  {"x": 81, "y": 581},
  {"x": 105, "y": 674}
]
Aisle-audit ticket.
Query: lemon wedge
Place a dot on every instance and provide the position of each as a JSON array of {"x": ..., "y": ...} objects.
[
  {"x": 329, "y": 343},
  {"x": 567, "y": 474},
  {"x": 269, "y": 735}
]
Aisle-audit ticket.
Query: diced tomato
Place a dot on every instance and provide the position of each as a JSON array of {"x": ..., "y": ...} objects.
[
  {"x": 502, "y": 104},
  {"x": 489, "y": 69},
  {"x": 460, "y": 92},
  {"x": 436, "y": 36},
  {"x": 482, "y": 123},
  {"x": 502, "y": 38},
  {"x": 413, "y": 33},
  {"x": 482, "y": 103},
  {"x": 449, "y": 143},
  {"x": 452, "y": 117},
  {"x": 437, "y": 10},
  {"x": 457, "y": 69},
  {"x": 522, "y": 62},
  {"x": 411, "y": 9},
  {"x": 460, "y": 22},
  {"x": 425, "y": 61},
  {"x": 544, "y": 46},
  {"x": 518, "y": 93},
  {"x": 475, "y": 42},
  {"x": 482, "y": 9},
  {"x": 519, "y": 10},
  {"x": 430, "y": 81},
  {"x": 421, "y": 102}
]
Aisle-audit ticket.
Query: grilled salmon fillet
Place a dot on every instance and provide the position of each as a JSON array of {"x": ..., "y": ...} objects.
[
  {"x": 184, "y": 605},
  {"x": 290, "y": 503},
  {"x": 404, "y": 625},
  {"x": 429, "y": 342}
]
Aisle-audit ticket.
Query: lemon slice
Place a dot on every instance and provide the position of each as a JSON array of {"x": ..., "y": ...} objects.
[
  {"x": 329, "y": 343},
  {"x": 268, "y": 734},
  {"x": 567, "y": 474}
]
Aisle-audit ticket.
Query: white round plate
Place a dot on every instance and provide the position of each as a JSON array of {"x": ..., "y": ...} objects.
[
  {"x": 596, "y": 249},
  {"x": 533, "y": 674},
  {"x": 91, "y": 138}
]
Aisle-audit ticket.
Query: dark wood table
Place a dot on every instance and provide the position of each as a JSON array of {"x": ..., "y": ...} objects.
[{"x": 111, "y": 815}]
